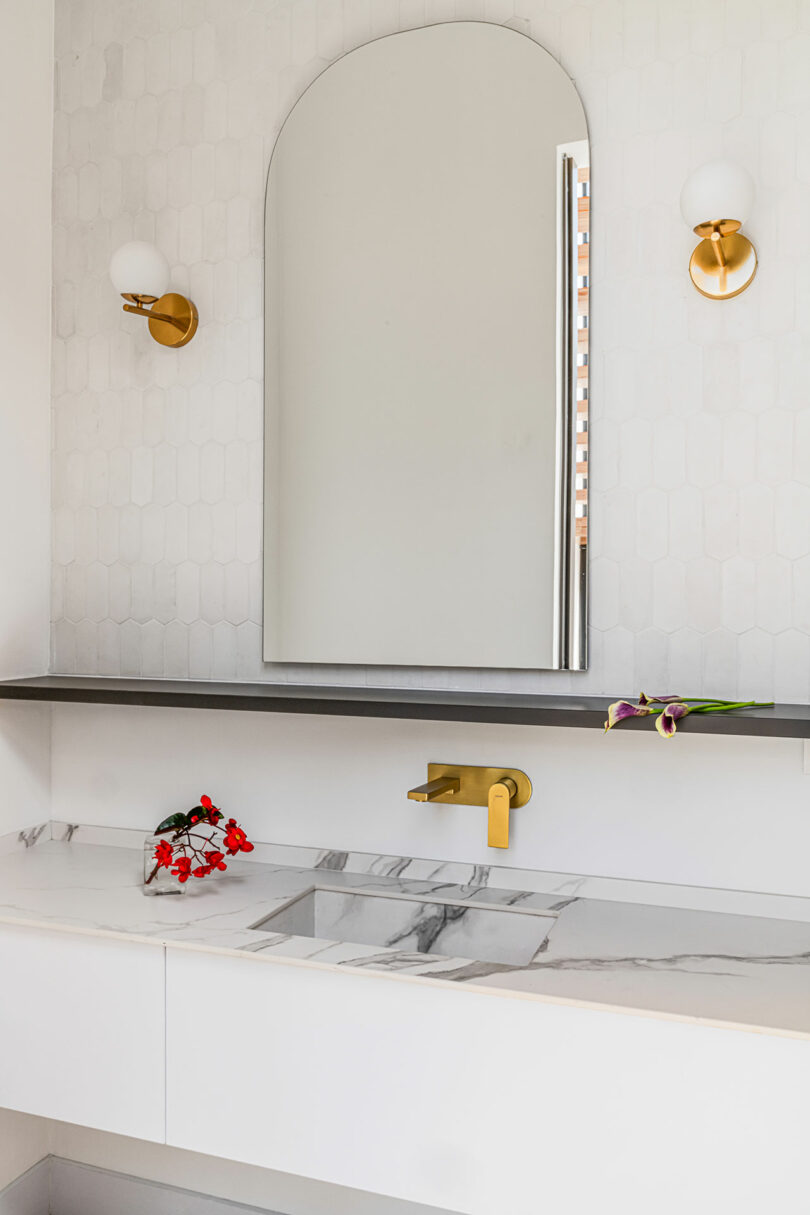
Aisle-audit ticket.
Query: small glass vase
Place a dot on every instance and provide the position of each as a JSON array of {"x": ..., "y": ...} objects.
[{"x": 158, "y": 880}]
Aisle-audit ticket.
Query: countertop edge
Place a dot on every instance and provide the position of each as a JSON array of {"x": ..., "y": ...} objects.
[{"x": 362, "y": 972}]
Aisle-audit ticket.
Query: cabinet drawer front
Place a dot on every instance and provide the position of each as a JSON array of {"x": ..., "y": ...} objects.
[
  {"x": 477, "y": 1103},
  {"x": 82, "y": 1023}
]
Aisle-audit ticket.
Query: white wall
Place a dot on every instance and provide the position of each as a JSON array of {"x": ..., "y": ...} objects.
[
  {"x": 166, "y": 115},
  {"x": 25, "y": 765},
  {"x": 700, "y": 485},
  {"x": 696, "y": 810},
  {"x": 26, "y": 103}
]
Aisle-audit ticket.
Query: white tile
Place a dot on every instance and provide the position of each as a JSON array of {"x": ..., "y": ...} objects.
[
  {"x": 652, "y": 524},
  {"x": 153, "y": 662},
  {"x": 774, "y": 588},
  {"x": 703, "y": 583},
  {"x": 86, "y": 536},
  {"x": 756, "y": 665},
  {"x": 212, "y": 592},
  {"x": 131, "y": 651},
  {"x": 153, "y": 534},
  {"x": 165, "y": 119},
  {"x": 223, "y": 531},
  {"x": 237, "y": 592},
  {"x": 64, "y": 521},
  {"x": 791, "y": 666},
  {"x": 63, "y": 647},
  {"x": 188, "y": 474},
  {"x": 756, "y": 520},
  {"x": 87, "y": 647},
  {"x": 720, "y": 664},
  {"x": 164, "y": 485},
  {"x": 738, "y": 594},
  {"x": 224, "y": 661},
  {"x": 669, "y": 594},
  {"x": 200, "y": 533},
  {"x": 164, "y": 603},
  {"x": 635, "y": 577},
  {"x": 187, "y": 589},
  {"x": 687, "y": 539},
  {"x": 248, "y": 652},
  {"x": 75, "y": 592},
  {"x": 200, "y": 651},
  {"x": 792, "y": 519},
  {"x": 176, "y": 516},
  {"x": 212, "y": 472},
  {"x": 604, "y": 591},
  {"x": 108, "y": 647},
  {"x": 175, "y": 650},
  {"x": 721, "y": 507},
  {"x": 142, "y": 475}
]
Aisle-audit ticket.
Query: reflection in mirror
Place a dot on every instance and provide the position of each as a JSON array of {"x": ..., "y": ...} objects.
[{"x": 426, "y": 288}]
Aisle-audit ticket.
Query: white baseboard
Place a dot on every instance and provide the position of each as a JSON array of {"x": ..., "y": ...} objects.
[{"x": 62, "y": 1187}]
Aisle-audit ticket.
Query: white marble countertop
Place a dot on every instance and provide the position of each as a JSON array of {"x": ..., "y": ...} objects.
[{"x": 750, "y": 972}]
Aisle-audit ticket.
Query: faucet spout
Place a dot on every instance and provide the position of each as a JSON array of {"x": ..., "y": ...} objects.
[{"x": 434, "y": 788}]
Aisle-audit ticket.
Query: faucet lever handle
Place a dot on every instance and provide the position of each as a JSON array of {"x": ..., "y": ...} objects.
[{"x": 498, "y": 802}]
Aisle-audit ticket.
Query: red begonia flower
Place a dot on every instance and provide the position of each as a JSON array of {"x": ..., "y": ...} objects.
[
  {"x": 163, "y": 854},
  {"x": 216, "y": 860},
  {"x": 235, "y": 839},
  {"x": 212, "y": 813},
  {"x": 182, "y": 868}
]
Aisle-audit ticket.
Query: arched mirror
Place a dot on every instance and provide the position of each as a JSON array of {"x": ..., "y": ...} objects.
[{"x": 426, "y": 300}]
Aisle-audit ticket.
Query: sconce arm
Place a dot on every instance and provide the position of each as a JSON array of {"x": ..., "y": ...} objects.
[{"x": 139, "y": 310}]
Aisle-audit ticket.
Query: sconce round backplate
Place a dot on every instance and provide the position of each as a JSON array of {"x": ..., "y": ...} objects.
[
  {"x": 724, "y": 266},
  {"x": 182, "y": 310}
]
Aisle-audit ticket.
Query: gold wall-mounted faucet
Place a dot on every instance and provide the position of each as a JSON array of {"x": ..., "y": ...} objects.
[
  {"x": 434, "y": 789},
  {"x": 499, "y": 789},
  {"x": 499, "y": 801}
]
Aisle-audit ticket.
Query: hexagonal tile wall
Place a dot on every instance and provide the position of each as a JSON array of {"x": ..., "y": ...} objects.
[{"x": 166, "y": 115}]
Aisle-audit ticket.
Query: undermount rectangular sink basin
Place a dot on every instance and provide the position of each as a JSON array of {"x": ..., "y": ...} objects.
[{"x": 485, "y": 934}]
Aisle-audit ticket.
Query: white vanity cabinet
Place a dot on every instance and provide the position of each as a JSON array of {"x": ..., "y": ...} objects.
[
  {"x": 469, "y": 1101},
  {"x": 479, "y": 1103},
  {"x": 82, "y": 1030}
]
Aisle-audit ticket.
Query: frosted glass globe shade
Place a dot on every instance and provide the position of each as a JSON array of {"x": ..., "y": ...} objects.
[
  {"x": 719, "y": 189},
  {"x": 138, "y": 268}
]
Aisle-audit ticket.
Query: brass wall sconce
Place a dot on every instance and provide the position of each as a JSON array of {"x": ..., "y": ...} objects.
[
  {"x": 725, "y": 261},
  {"x": 140, "y": 273},
  {"x": 499, "y": 789}
]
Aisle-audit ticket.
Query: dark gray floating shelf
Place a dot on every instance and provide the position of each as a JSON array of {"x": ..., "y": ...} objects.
[{"x": 782, "y": 721}]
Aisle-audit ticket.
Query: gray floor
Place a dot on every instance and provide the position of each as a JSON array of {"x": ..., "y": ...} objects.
[{"x": 61, "y": 1187}]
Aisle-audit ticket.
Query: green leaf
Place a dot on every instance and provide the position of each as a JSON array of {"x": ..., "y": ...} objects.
[{"x": 173, "y": 823}]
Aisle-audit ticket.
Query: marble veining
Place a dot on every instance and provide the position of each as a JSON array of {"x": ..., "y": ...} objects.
[
  {"x": 503, "y": 877},
  {"x": 741, "y": 970},
  {"x": 33, "y": 835},
  {"x": 498, "y": 933}
]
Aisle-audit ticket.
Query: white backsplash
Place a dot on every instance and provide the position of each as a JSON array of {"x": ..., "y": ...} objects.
[{"x": 166, "y": 114}]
